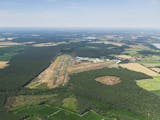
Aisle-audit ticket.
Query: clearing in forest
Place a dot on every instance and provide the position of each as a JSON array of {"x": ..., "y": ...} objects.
[
  {"x": 108, "y": 80},
  {"x": 3, "y": 64}
]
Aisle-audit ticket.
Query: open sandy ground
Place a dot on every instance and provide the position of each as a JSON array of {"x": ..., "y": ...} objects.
[
  {"x": 3, "y": 64},
  {"x": 156, "y": 69}
]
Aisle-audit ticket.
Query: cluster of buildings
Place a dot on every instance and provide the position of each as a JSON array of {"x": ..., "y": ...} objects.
[
  {"x": 129, "y": 58},
  {"x": 95, "y": 60}
]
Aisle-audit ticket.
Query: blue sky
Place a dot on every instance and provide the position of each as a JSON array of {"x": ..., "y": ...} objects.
[{"x": 80, "y": 13}]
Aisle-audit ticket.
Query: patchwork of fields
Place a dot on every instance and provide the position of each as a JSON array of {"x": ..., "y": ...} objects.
[{"x": 78, "y": 90}]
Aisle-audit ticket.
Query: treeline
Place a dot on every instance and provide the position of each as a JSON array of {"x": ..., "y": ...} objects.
[{"x": 24, "y": 67}]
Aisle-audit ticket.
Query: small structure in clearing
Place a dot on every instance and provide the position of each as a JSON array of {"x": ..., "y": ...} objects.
[{"x": 108, "y": 80}]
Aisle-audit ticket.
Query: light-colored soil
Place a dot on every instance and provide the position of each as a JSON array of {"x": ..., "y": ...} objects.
[
  {"x": 76, "y": 68},
  {"x": 3, "y": 64},
  {"x": 54, "y": 75},
  {"x": 156, "y": 69},
  {"x": 48, "y": 44},
  {"x": 124, "y": 56},
  {"x": 108, "y": 80},
  {"x": 139, "y": 68},
  {"x": 6, "y": 44},
  {"x": 112, "y": 43}
]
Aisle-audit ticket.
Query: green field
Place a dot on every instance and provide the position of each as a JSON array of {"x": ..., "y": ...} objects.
[
  {"x": 7, "y": 53},
  {"x": 151, "y": 61},
  {"x": 150, "y": 84}
]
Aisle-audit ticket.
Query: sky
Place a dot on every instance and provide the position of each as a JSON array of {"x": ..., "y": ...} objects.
[{"x": 80, "y": 13}]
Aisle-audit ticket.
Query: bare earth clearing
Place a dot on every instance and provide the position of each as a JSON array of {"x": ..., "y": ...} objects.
[
  {"x": 124, "y": 56},
  {"x": 109, "y": 42},
  {"x": 7, "y": 44},
  {"x": 108, "y": 80},
  {"x": 3, "y": 64},
  {"x": 139, "y": 68},
  {"x": 156, "y": 69}
]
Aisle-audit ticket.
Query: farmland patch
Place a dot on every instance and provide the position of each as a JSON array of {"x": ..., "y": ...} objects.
[{"x": 139, "y": 68}]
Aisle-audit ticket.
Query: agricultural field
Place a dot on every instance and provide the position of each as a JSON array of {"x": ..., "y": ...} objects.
[
  {"x": 140, "y": 50},
  {"x": 86, "y": 66},
  {"x": 156, "y": 69},
  {"x": 8, "y": 44},
  {"x": 41, "y": 77},
  {"x": 133, "y": 50},
  {"x": 151, "y": 61},
  {"x": 111, "y": 43},
  {"x": 48, "y": 44},
  {"x": 151, "y": 85},
  {"x": 6, "y": 53},
  {"x": 139, "y": 68}
]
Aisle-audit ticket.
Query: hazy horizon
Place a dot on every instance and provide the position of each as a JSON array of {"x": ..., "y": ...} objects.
[{"x": 127, "y": 14}]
